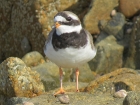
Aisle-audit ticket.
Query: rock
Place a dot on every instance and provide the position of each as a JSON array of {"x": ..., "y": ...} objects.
[
  {"x": 100, "y": 10},
  {"x": 133, "y": 98},
  {"x": 126, "y": 79},
  {"x": 114, "y": 26},
  {"x": 108, "y": 57},
  {"x": 132, "y": 55},
  {"x": 16, "y": 79},
  {"x": 129, "y": 8},
  {"x": 64, "y": 99},
  {"x": 33, "y": 58}
]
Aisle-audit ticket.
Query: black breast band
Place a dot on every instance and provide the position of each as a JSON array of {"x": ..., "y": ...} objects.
[{"x": 72, "y": 39}]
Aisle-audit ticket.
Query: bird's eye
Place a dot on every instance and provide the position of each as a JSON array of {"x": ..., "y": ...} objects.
[{"x": 68, "y": 18}]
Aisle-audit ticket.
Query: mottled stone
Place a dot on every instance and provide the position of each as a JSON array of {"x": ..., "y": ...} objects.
[
  {"x": 108, "y": 57},
  {"x": 114, "y": 26},
  {"x": 129, "y": 8},
  {"x": 16, "y": 79},
  {"x": 100, "y": 10},
  {"x": 33, "y": 58},
  {"x": 64, "y": 99},
  {"x": 133, "y": 98},
  {"x": 124, "y": 78}
]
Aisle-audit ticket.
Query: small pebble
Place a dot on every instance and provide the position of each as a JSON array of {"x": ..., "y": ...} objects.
[
  {"x": 120, "y": 94},
  {"x": 113, "y": 12},
  {"x": 28, "y": 103},
  {"x": 64, "y": 99}
]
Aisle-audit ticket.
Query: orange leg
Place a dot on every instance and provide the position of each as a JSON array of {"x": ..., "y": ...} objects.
[
  {"x": 61, "y": 91},
  {"x": 77, "y": 75}
]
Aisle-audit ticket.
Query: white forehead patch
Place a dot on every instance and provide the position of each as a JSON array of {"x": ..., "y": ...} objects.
[
  {"x": 68, "y": 29},
  {"x": 59, "y": 18}
]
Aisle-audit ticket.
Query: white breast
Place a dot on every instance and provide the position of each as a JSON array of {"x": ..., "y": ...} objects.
[{"x": 70, "y": 57}]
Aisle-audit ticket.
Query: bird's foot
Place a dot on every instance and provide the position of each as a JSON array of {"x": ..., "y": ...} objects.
[{"x": 61, "y": 91}]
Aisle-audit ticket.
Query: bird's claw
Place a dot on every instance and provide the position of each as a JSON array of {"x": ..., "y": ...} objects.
[{"x": 61, "y": 91}]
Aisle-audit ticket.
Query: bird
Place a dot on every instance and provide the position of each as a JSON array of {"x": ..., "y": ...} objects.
[{"x": 69, "y": 45}]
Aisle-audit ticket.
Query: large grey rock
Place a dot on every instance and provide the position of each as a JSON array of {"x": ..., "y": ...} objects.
[
  {"x": 16, "y": 79},
  {"x": 115, "y": 26},
  {"x": 108, "y": 57},
  {"x": 133, "y": 98}
]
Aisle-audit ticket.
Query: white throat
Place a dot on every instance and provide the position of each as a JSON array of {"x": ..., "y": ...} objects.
[{"x": 68, "y": 29}]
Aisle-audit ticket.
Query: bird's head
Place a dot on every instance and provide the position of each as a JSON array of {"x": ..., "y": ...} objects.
[{"x": 67, "y": 22}]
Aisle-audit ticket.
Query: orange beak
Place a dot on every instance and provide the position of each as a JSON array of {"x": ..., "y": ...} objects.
[{"x": 57, "y": 24}]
